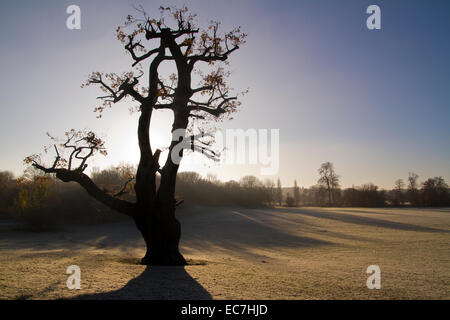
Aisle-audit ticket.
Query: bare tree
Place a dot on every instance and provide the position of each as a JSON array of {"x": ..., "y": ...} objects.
[
  {"x": 250, "y": 182},
  {"x": 413, "y": 191},
  {"x": 328, "y": 179},
  {"x": 199, "y": 56},
  {"x": 412, "y": 181},
  {"x": 398, "y": 189}
]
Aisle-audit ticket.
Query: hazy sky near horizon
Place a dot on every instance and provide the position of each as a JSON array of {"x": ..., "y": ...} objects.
[{"x": 373, "y": 102}]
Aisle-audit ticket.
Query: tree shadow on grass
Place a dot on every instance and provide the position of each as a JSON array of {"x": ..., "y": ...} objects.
[
  {"x": 156, "y": 283},
  {"x": 241, "y": 231},
  {"x": 362, "y": 220}
]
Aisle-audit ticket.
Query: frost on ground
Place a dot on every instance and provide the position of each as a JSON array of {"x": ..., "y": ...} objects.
[{"x": 235, "y": 253}]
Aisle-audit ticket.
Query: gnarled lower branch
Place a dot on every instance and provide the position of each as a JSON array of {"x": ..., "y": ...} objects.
[{"x": 82, "y": 179}]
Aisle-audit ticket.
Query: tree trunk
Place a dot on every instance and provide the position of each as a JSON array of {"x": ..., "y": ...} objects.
[{"x": 161, "y": 232}]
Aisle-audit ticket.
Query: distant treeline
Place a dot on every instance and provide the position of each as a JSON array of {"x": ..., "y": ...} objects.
[
  {"x": 44, "y": 202},
  {"x": 434, "y": 192}
]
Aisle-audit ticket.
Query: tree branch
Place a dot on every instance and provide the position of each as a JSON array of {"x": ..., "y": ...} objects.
[
  {"x": 204, "y": 88},
  {"x": 211, "y": 57},
  {"x": 130, "y": 47},
  {"x": 122, "y": 191},
  {"x": 215, "y": 112},
  {"x": 82, "y": 179}
]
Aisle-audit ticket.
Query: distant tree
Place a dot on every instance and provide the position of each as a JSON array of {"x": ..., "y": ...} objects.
[
  {"x": 398, "y": 191},
  {"x": 117, "y": 180},
  {"x": 290, "y": 202},
  {"x": 6, "y": 177},
  {"x": 8, "y": 187},
  {"x": 34, "y": 203},
  {"x": 412, "y": 180},
  {"x": 250, "y": 182},
  {"x": 352, "y": 197},
  {"x": 319, "y": 195},
  {"x": 435, "y": 192},
  {"x": 198, "y": 90},
  {"x": 412, "y": 189},
  {"x": 366, "y": 195},
  {"x": 279, "y": 193},
  {"x": 211, "y": 177},
  {"x": 308, "y": 196},
  {"x": 270, "y": 189},
  {"x": 189, "y": 177},
  {"x": 372, "y": 197},
  {"x": 6, "y": 181},
  {"x": 296, "y": 194},
  {"x": 328, "y": 179}
]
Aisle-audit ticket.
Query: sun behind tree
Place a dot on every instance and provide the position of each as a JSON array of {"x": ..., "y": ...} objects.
[{"x": 172, "y": 38}]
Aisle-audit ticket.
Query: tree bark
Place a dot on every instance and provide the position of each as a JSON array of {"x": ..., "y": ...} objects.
[
  {"x": 161, "y": 232},
  {"x": 159, "y": 226},
  {"x": 155, "y": 215}
]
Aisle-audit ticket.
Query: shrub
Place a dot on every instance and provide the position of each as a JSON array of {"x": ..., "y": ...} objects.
[{"x": 35, "y": 204}]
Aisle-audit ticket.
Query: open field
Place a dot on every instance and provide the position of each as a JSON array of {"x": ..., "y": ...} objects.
[{"x": 281, "y": 253}]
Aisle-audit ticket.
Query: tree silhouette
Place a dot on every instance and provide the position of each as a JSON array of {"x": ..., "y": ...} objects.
[
  {"x": 398, "y": 191},
  {"x": 172, "y": 38},
  {"x": 290, "y": 202},
  {"x": 270, "y": 190},
  {"x": 329, "y": 179},
  {"x": 435, "y": 192},
  {"x": 413, "y": 192}
]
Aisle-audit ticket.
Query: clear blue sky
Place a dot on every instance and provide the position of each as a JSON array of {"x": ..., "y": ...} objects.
[{"x": 375, "y": 103}]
